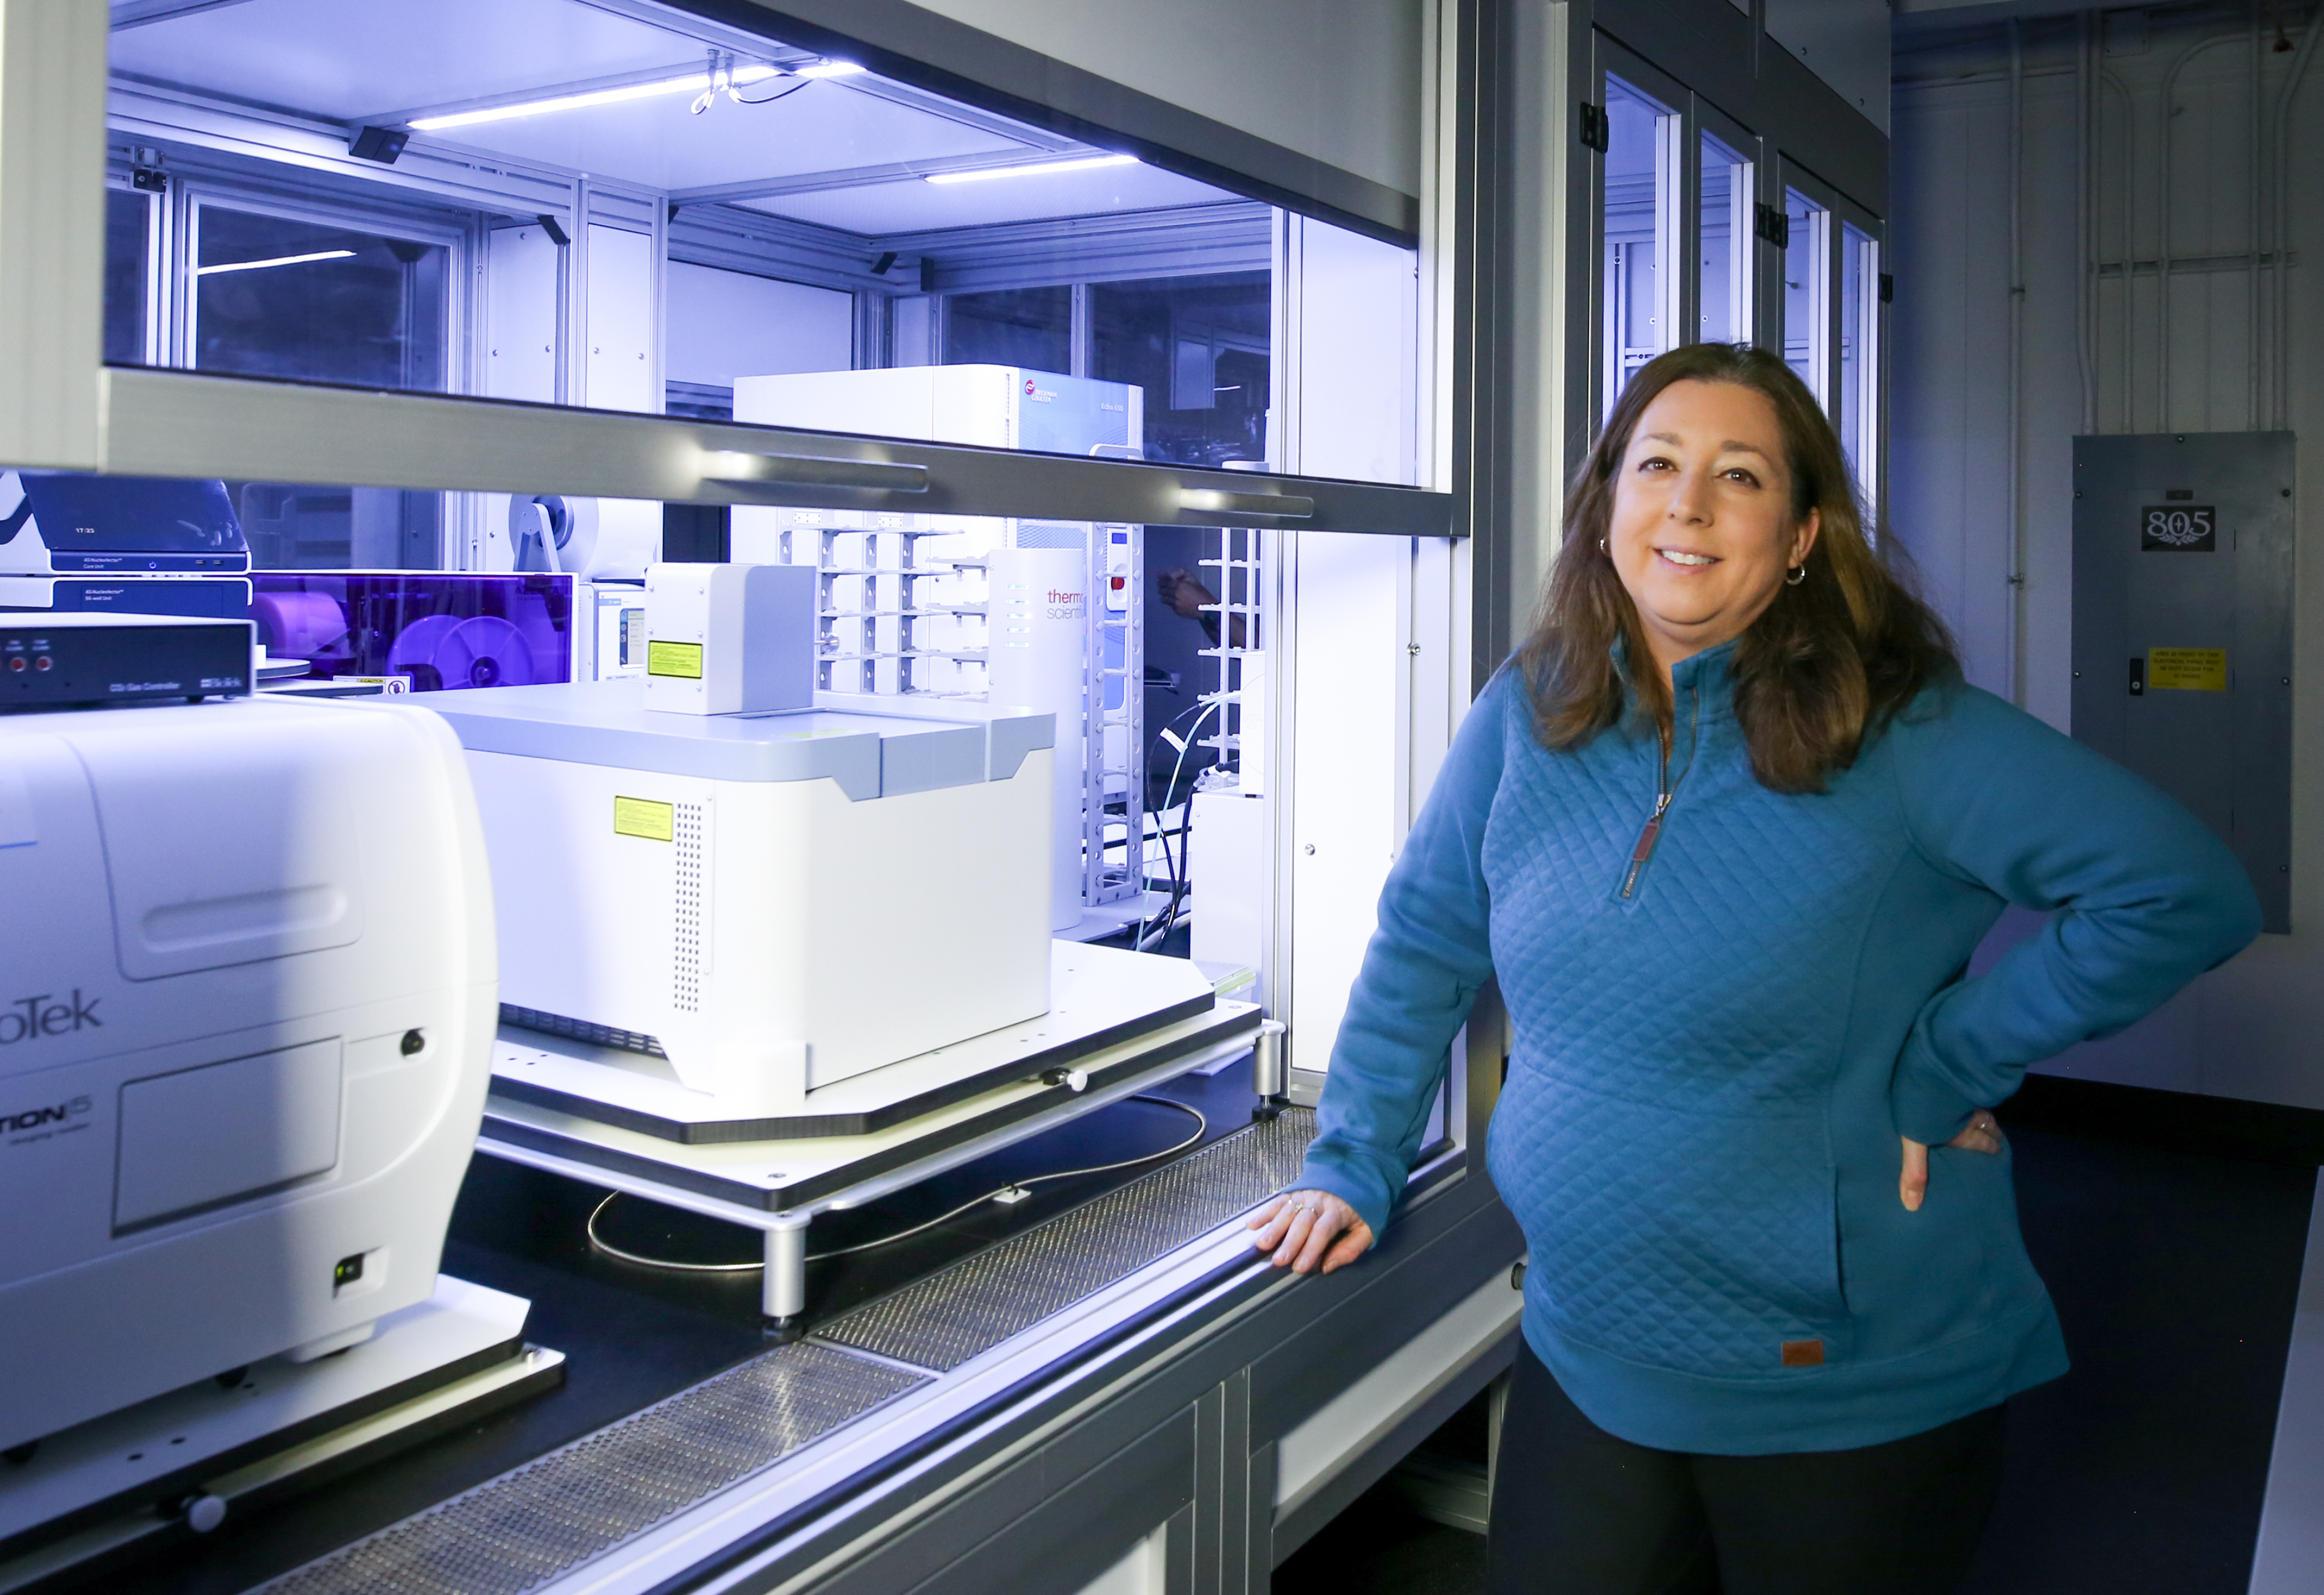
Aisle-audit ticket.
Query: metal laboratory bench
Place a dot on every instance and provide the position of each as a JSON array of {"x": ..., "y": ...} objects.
[{"x": 1100, "y": 1379}]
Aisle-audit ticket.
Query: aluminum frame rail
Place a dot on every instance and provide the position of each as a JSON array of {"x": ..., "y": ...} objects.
[{"x": 170, "y": 423}]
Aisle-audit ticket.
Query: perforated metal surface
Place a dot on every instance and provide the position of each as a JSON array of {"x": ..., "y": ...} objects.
[
  {"x": 949, "y": 1317},
  {"x": 529, "y": 1525}
]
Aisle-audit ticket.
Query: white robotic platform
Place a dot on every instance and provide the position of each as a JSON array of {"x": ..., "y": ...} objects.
[
  {"x": 1124, "y": 1022},
  {"x": 182, "y": 1462}
]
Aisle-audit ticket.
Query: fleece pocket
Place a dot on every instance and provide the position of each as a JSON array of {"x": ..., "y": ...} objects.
[{"x": 1705, "y": 1243}]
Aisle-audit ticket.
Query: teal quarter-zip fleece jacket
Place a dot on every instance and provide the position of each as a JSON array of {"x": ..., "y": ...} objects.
[{"x": 1720, "y": 1039}]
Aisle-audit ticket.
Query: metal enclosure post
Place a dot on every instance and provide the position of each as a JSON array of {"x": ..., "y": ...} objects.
[{"x": 52, "y": 102}]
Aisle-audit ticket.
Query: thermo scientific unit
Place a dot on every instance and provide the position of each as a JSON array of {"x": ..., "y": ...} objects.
[{"x": 911, "y": 611}]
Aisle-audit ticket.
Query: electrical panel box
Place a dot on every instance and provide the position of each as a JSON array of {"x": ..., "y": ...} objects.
[{"x": 2182, "y": 630}]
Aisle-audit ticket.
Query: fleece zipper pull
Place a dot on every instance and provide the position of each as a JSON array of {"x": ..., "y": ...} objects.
[
  {"x": 1666, "y": 789},
  {"x": 1645, "y": 847}
]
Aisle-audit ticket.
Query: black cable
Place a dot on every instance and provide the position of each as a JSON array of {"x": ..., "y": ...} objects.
[
  {"x": 599, "y": 1244},
  {"x": 1177, "y": 881},
  {"x": 1178, "y": 887},
  {"x": 772, "y": 98}
]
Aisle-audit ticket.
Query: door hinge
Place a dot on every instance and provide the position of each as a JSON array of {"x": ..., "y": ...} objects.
[
  {"x": 1888, "y": 288},
  {"x": 1774, "y": 226},
  {"x": 1596, "y": 131}
]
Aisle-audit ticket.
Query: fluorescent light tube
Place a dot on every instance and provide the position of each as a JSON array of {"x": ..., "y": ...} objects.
[
  {"x": 691, "y": 83},
  {"x": 827, "y": 70},
  {"x": 984, "y": 174},
  {"x": 280, "y": 260}
]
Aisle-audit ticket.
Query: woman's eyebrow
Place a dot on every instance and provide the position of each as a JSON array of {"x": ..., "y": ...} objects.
[{"x": 1732, "y": 446}]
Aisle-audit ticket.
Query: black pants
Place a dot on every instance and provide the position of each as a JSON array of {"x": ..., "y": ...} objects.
[{"x": 1578, "y": 1512}]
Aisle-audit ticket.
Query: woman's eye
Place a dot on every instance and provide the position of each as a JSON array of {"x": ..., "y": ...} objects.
[{"x": 1744, "y": 477}]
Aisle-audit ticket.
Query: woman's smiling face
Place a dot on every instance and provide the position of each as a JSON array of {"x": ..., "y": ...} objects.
[{"x": 1702, "y": 533}]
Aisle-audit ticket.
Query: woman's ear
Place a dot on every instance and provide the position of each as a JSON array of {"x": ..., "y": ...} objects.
[{"x": 1804, "y": 541}]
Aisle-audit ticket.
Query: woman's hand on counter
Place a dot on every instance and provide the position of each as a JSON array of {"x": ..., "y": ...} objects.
[
  {"x": 1983, "y": 1135},
  {"x": 1308, "y": 1230}
]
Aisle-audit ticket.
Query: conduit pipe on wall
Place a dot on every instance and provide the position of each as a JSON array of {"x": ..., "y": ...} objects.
[
  {"x": 2013, "y": 626},
  {"x": 2086, "y": 301},
  {"x": 2163, "y": 238},
  {"x": 2258, "y": 242},
  {"x": 2127, "y": 421},
  {"x": 2282, "y": 329}
]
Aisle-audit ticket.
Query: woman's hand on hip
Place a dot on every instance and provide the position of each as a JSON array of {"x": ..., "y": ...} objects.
[
  {"x": 1983, "y": 1135},
  {"x": 1310, "y": 1230}
]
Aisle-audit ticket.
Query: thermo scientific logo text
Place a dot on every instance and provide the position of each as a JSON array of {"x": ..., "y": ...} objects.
[{"x": 28, "y": 1018}]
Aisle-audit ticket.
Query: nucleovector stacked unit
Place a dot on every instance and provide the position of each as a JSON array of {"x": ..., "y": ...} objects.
[
  {"x": 129, "y": 544},
  {"x": 244, "y": 1040}
]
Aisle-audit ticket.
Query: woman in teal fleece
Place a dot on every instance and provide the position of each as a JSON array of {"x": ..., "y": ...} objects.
[{"x": 1727, "y": 831}]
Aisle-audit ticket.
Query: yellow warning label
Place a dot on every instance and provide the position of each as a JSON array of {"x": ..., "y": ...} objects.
[
  {"x": 2187, "y": 669},
  {"x": 643, "y": 817},
  {"x": 674, "y": 659}
]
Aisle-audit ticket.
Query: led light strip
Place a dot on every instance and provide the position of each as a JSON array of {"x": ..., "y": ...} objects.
[
  {"x": 280, "y": 260},
  {"x": 689, "y": 83},
  {"x": 985, "y": 174}
]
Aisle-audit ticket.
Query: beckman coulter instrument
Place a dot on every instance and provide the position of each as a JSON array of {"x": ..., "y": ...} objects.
[{"x": 735, "y": 892}]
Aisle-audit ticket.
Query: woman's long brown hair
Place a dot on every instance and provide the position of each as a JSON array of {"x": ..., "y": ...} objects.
[{"x": 1829, "y": 662}]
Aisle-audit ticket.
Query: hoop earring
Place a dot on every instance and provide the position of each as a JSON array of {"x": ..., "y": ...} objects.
[
  {"x": 1602, "y": 546},
  {"x": 1799, "y": 573}
]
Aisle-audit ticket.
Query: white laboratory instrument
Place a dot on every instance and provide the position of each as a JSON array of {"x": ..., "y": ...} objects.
[
  {"x": 773, "y": 903},
  {"x": 730, "y": 638},
  {"x": 595, "y": 539},
  {"x": 1038, "y": 656},
  {"x": 243, "y": 1040},
  {"x": 905, "y": 608}
]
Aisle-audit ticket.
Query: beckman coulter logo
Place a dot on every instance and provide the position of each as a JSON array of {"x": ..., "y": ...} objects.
[{"x": 29, "y": 1019}]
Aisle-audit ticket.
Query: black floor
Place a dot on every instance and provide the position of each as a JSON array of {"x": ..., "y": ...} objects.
[{"x": 2142, "y": 1471}]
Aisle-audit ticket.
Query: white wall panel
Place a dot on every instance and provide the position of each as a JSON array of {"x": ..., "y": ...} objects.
[
  {"x": 621, "y": 321},
  {"x": 2248, "y": 1028},
  {"x": 723, "y": 325},
  {"x": 1336, "y": 80},
  {"x": 1350, "y": 312},
  {"x": 1845, "y": 43},
  {"x": 520, "y": 268}
]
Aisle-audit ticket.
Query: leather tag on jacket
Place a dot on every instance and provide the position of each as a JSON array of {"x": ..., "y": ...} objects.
[{"x": 1804, "y": 1353}]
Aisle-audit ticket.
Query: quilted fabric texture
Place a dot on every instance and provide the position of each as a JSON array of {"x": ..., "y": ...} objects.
[{"x": 1700, "y": 1130}]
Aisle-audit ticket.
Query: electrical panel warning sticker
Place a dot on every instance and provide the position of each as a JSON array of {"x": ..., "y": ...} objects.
[
  {"x": 643, "y": 817},
  {"x": 2187, "y": 669},
  {"x": 674, "y": 659}
]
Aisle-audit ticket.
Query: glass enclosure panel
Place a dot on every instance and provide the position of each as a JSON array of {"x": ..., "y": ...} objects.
[
  {"x": 1727, "y": 245},
  {"x": 1807, "y": 295},
  {"x": 1028, "y": 327},
  {"x": 283, "y": 296},
  {"x": 1641, "y": 178},
  {"x": 1198, "y": 349},
  {"x": 657, "y": 211},
  {"x": 128, "y": 228},
  {"x": 1859, "y": 357}
]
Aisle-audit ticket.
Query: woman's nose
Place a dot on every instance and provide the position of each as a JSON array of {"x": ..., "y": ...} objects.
[{"x": 1689, "y": 498}]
